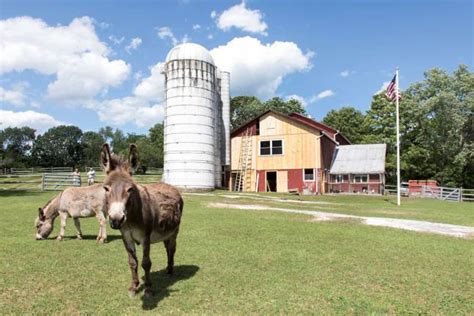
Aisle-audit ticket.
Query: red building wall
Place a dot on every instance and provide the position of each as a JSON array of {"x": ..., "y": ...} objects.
[{"x": 295, "y": 180}]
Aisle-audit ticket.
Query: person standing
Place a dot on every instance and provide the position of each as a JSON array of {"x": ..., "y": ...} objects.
[
  {"x": 76, "y": 178},
  {"x": 91, "y": 176}
]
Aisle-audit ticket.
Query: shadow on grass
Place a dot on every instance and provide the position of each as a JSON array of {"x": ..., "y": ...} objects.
[
  {"x": 8, "y": 193},
  {"x": 162, "y": 281},
  {"x": 110, "y": 238}
]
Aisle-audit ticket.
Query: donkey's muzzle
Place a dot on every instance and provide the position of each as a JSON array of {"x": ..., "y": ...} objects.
[{"x": 116, "y": 223}]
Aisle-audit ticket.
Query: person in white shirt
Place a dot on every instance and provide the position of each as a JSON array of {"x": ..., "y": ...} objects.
[
  {"x": 91, "y": 176},
  {"x": 76, "y": 178}
]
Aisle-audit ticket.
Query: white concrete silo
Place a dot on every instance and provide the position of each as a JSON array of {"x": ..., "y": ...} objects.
[
  {"x": 225, "y": 99},
  {"x": 190, "y": 118}
]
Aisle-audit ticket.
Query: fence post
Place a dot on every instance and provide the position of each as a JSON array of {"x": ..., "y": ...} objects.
[
  {"x": 460, "y": 194},
  {"x": 42, "y": 182}
]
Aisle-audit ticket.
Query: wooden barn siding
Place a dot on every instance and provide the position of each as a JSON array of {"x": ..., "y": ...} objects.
[
  {"x": 300, "y": 145},
  {"x": 293, "y": 179},
  {"x": 250, "y": 130}
]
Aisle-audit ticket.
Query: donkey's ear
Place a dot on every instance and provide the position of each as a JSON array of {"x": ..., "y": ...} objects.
[
  {"x": 40, "y": 213},
  {"x": 106, "y": 159},
  {"x": 133, "y": 157}
]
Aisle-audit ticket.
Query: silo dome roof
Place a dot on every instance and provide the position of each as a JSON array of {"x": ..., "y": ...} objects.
[{"x": 189, "y": 51}]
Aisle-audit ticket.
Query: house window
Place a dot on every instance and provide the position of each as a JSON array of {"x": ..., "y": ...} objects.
[
  {"x": 308, "y": 174},
  {"x": 271, "y": 147},
  {"x": 360, "y": 178},
  {"x": 338, "y": 178}
]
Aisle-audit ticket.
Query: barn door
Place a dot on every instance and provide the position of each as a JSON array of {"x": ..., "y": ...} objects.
[{"x": 282, "y": 181}]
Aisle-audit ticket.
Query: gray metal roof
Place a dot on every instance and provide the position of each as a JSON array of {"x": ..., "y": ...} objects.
[{"x": 356, "y": 159}]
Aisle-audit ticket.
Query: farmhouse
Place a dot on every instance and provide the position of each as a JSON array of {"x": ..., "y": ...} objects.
[
  {"x": 275, "y": 152},
  {"x": 358, "y": 168}
]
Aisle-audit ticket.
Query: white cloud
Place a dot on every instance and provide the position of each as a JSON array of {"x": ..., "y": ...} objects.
[
  {"x": 39, "y": 121},
  {"x": 73, "y": 53},
  {"x": 258, "y": 69},
  {"x": 134, "y": 44},
  {"x": 383, "y": 87},
  {"x": 345, "y": 73},
  {"x": 299, "y": 98},
  {"x": 239, "y": 16},
  {"x": 152, "y": 87},
  {"x": 130, "y": 110},
  {"x": 196, "y": 27},
  {"x": 144, "y": 108},
  {"x": 15, "y": 96},
  {"x": 322, "y": 95},
  {"x": 210, "y": 36},
  {"x": 116, "y": 40},
  {"x": 165, "y": 32}
]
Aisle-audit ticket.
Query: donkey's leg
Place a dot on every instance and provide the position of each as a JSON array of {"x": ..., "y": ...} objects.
[
  {"x": 63, "y": 216},
  {"x": 146, "y": 265},
  {"x": 102, "y": 224},
  {"x": 170, "y": 245},
  {"x": 133, "y": 263},
  {"x": 78, "y": 227}
]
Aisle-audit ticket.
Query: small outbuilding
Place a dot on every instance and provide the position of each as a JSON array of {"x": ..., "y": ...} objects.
[{"x": 358, "y": 169}]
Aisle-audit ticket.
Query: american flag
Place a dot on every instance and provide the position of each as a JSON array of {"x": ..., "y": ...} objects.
[{"x": 392, "y": 92}]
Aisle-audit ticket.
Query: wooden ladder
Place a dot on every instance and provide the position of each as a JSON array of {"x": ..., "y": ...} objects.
[{"x": 243, "y": 179}]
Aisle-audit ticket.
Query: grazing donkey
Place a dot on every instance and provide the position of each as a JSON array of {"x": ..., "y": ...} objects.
[
  {"x": 144, "y": 214},
  {"x": 75, "y": 202}
]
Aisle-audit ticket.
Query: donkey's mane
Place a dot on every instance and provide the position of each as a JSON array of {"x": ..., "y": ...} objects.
[{"x": 50, "y": 211}]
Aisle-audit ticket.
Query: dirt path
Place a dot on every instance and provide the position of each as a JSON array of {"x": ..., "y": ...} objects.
[{"x": 413, "y": 225}]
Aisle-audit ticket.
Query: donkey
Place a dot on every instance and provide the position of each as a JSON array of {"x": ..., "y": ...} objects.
[
  {"x": 143, "y": 214},
  {"x": 75, "y": 202}
]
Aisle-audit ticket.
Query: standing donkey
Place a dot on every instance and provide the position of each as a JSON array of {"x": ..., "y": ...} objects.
[
  {"x": 143, "y": 214},
  {"x": 75, "y": 202}
]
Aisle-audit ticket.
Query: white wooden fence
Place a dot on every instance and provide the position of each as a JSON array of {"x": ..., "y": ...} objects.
[
  {"x": 440, "y": 193},
  {"x": 58, "y": 182}
]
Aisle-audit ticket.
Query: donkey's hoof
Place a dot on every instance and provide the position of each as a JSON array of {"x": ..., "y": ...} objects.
[
  {"x": 169, "y": 270},
  {"x": 59, "y": 238},
  {"x": 148, "y": 293},
  {"x": 132, "y": 291},
  {"x": 79, "y": 237}
]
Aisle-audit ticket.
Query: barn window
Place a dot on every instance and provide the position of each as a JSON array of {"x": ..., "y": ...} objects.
[
  {"x": 308, "y": 174},
  {"x": 271, "y": 147},
  {"x": 277, "y": 147},
  {"x": 265, "y": 148}
]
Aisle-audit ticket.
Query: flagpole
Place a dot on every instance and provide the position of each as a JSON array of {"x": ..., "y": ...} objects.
[{"x": 398, "y": 139}]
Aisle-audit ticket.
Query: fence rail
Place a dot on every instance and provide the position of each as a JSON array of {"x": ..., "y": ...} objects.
[{"x": 440, "y": 193}]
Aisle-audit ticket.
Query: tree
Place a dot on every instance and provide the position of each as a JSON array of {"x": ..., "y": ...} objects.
[
  {"x": 16, "y": 145},
  {"x": 245, "y": 108},
  {"x": 92, "y": 144},
  {"x": 60, "y": 146},
  {"x": 348, "y": 121},
  {"x": 436, "y": 127},
  {"x": 444, "y": 129}
]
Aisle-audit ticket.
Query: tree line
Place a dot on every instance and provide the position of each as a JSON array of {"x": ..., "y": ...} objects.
[
  {"x": 436, "y": 126},
  {"x": 67, "y": 145}
]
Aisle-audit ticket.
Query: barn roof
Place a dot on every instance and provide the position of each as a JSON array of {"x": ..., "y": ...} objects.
[
  {"x": 327, "y": 131},
  {"x": 358, "y": 159}
]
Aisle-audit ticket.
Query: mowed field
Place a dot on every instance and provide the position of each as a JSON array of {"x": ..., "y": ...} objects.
[{"x": 231, "y": 261}]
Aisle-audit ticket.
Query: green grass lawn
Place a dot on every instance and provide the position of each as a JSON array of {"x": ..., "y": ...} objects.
[
  {"x": 238, "y": 262},
  {"x": 376, "y": 206}
]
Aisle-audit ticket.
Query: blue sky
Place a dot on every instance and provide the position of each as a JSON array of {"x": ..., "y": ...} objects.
[{"x": 96, "y": 63}]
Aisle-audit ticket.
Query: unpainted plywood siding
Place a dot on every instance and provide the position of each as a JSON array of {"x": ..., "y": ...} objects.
[{"x": 301, "y": 146}]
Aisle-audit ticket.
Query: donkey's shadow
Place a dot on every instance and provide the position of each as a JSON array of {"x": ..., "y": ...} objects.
[{"x": 161, "y": 282}]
